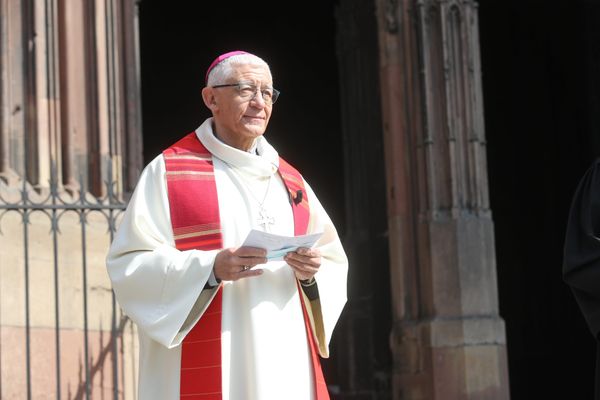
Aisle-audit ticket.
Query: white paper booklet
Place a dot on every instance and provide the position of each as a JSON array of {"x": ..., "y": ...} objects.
[{"x": 276, "y": 245}]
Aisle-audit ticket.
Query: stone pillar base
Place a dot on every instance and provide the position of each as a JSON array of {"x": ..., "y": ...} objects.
[{"x": 450, "y": 359}]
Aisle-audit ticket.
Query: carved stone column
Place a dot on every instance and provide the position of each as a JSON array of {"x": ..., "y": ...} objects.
[
  {"x": 448, "y": 340},
  {"x": 69, "y": 93},
  {"x": 12, "y": 119},
  {"x": 69, "y": 115}
]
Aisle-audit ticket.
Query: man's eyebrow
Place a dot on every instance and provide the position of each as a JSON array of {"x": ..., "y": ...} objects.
[{"x": 269, "y": 86}]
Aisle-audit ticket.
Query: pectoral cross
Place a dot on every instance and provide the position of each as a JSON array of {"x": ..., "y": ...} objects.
[{"x": 265, "y": 219}]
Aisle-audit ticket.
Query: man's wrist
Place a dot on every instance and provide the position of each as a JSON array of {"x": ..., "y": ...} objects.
[
  {"x": 212, "y": 279},
  {"x": 308, "y": 282},
  {"x": 310, "y": 288}
]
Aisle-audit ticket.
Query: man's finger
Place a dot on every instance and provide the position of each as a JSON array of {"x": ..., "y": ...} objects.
[
  {"x": 309, "y": 252},
  {"x": 248, "y": 272},
  {"x": 303, "y": 271},
  {"x": 251, "y": 261},
  {"x": 247, "y": 251},
  {"x": 314, "y": 261},
  {"x": 303, "y": 265}
]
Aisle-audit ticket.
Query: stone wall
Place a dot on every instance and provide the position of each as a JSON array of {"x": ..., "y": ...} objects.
[
  {"x": 70, "y": 121},
  {"x": 58, "y": 320}
]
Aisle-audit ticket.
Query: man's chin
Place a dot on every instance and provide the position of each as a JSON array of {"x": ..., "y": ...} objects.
[{"x": 255, "y": 130}]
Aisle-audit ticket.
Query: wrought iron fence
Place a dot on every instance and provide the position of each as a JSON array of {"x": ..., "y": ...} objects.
[{"x": 53, "y": 204}]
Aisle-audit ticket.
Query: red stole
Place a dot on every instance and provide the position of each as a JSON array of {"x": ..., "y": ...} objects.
[{"x": 191, "y": 180}]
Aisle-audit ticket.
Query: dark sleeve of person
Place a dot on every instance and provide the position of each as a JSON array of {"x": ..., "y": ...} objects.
[{"x": 581, "y": 258}]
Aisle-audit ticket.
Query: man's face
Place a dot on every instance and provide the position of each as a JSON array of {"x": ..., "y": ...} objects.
[{"x": 238, "y": 121}]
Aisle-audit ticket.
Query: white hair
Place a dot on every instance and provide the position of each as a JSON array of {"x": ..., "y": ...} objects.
[{"x": 223, "y": 70}]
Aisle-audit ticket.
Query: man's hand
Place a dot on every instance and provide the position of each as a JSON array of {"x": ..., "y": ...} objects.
[
  {"x": 236, "y": 263},
  {"x": 304, "y": 261}
]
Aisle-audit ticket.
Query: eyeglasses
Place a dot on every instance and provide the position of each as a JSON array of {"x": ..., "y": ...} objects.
[{"x": 247, "y": 92}]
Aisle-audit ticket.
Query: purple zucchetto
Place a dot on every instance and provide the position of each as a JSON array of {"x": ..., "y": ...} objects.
[{"x": 221, "y": 58}]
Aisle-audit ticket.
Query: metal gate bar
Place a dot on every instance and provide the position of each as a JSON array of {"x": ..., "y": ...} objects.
[{"x": 54, "y": 205}]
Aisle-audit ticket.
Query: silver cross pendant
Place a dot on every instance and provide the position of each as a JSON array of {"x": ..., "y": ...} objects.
[{"x": 265, "y": 219}]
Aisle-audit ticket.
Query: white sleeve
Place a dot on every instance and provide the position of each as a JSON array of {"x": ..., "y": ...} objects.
[
  {"x": 155, "y": 284},
  {"x": 332, "y": 275}
]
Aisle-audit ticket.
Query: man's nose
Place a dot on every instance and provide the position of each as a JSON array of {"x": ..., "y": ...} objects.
[{"x": 258, "y": 99}]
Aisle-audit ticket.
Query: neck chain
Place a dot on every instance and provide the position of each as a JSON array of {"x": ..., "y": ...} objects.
[{"x": 265, "y": 219}]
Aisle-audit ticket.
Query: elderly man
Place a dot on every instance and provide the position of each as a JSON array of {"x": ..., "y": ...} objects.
[{"x": 218, "y": 320}]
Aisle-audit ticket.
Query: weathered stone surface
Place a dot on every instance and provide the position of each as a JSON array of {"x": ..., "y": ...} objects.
[
  {"x": 70, "y": 111},
  {"x": 448, "y": 339}
]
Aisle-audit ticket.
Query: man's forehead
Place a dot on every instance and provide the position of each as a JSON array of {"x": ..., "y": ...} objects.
[{"x": 251, "y": 72}]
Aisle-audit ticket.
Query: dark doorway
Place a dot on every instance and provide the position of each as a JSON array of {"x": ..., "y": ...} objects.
[{"x": 541, "y": 69}]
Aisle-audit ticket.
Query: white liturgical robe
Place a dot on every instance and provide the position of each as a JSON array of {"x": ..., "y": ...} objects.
[{"x": 265, "y": 353}]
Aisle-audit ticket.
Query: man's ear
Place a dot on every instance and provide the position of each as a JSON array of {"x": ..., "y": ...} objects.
[{"x": 208, "y": 96}]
